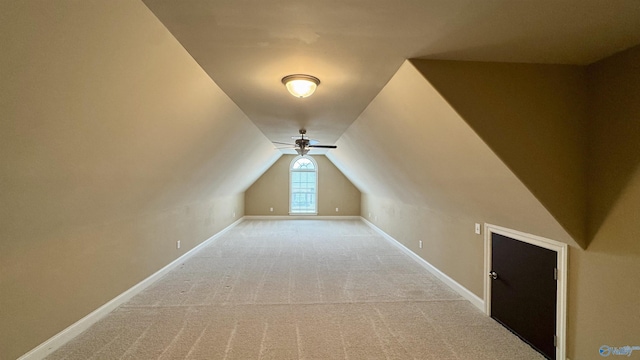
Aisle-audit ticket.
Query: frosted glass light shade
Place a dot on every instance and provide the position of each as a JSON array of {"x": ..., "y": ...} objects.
[{"x": 300, "y": 85}]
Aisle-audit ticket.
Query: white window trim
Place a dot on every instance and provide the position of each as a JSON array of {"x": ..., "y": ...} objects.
[{"x": 315, "y": 166}]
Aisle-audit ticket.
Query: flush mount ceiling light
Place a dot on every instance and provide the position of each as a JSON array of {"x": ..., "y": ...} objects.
[{"x": 300, "y": 85}]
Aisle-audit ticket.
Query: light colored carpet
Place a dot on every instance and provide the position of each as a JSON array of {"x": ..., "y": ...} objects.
[{"x": 298, "y": 289}]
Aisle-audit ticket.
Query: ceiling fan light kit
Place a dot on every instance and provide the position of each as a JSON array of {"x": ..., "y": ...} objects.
[
  {"x": 301, "y": 85},
  {"x": 303, "y": 144}
]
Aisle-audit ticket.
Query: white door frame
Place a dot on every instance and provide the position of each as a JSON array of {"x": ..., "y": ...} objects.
[{"x": 561, "y": 288}]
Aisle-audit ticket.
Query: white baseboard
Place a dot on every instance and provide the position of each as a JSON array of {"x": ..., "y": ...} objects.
[
  {"x": 463, "y": 291},
  {"x": 61, "y": 338},
  {"x": 300, "y": 217},
  {"x": 58, "y": 340}
]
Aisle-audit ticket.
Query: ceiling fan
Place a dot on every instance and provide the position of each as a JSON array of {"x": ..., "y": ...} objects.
[{"x": 303, "y": 144}]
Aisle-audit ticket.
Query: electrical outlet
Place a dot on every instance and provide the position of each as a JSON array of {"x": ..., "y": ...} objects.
[
  {"x": 420, "y": 244},
  {"x": 178, "y": 244},
  {"x": 477, "y": 228},
  {"x": 234, "y": 214},
  {"x": 337, "y": 209},
  {"x": 369, "y": 215},
  {"x": 271, "y": 209}
]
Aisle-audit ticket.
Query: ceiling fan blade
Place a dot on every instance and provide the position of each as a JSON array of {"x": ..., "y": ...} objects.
[
  {"x": 282, "y": 143},
  {"x": 324, "y": 146}
]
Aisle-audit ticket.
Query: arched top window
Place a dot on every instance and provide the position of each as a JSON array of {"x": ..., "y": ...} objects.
[
  {"x": 303, "y": 164},
  {"x": 303, "y": 186}
]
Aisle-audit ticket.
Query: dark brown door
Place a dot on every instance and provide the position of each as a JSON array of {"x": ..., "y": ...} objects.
[{"x": 523, "y": 291}]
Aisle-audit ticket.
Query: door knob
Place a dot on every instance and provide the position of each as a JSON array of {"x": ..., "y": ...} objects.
[{"x": 493, "y": 275}]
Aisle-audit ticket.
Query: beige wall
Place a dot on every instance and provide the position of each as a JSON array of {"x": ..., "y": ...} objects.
[
  {"x": 604, "y": 294},
  {"x": 114, "y": 144},
  {"x": 434, "y": 172},
  {"x": 430, "y": 177},
  {"x": 272, "y": 191},
  {"x": 532, "y": 117}
]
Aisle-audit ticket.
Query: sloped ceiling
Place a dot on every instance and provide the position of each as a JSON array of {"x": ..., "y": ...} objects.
[
  {"x": 134, "y": 118},
  {"x": 355, "y": 47},
  {"x": 534, "y": 118},
  {"x": 114, "y": 144},
  {"x": 411, "y": 145}
]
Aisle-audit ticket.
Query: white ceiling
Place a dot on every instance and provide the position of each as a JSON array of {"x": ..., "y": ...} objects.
[{"x": 355, "y": 47}]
